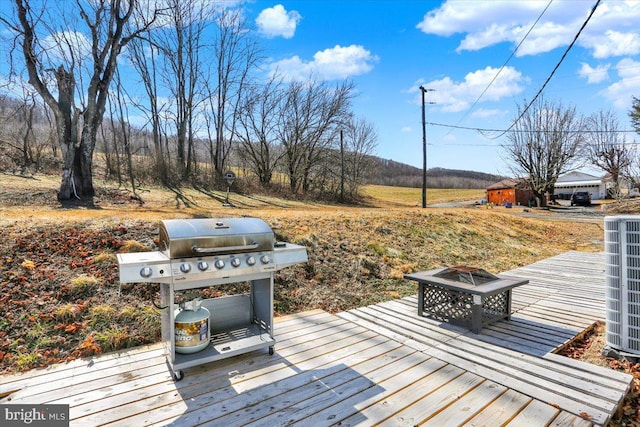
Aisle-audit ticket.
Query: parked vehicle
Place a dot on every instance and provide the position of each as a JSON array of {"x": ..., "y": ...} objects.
[{"x": 581, "y": 198}]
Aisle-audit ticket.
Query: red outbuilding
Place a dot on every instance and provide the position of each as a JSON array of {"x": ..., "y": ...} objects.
[{"x": 509, "y": 191}]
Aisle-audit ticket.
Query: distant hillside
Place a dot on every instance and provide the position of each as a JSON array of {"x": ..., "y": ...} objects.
[{"x": 389, "y": 172}]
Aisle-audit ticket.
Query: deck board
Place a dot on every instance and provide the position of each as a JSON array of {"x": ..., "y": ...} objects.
[{"x": 375, "y": 365}]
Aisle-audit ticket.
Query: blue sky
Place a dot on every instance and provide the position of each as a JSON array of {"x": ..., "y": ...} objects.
[{"x": 390, "y": 48}]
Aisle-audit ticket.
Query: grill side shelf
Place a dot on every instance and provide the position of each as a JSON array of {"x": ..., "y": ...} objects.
[
  {"x": 288, "y": 254},
  {"x": 144, "y": 267}
]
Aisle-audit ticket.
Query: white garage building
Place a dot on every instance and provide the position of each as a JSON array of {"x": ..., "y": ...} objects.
[{"x": 580, "y": 181}]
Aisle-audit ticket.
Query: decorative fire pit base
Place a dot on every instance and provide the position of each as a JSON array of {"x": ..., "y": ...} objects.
[{"x": 464, "y": 296}]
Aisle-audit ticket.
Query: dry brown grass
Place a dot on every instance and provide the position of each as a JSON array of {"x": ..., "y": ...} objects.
[{"x": 385, "y": 196}]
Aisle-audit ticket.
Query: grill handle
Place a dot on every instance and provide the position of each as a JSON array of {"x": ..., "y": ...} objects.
[{"x": 224, "y": 248}]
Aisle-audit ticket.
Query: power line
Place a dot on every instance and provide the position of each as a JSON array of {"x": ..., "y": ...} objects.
[
  {"x": 575, "y": 39},
  {"x": 509, "y": 145},
  {"x": 481, "y": 130},
  {"x": 505, "y": 64}
]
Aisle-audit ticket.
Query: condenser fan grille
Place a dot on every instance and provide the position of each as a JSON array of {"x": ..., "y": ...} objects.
[{"x": 622, "y": 251}]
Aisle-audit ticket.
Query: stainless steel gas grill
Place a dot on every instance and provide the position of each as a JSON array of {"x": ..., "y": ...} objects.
[{"x": 200, "y": 253}]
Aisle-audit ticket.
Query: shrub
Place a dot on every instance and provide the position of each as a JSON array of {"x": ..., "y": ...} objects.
[
  {"x": 104, "y": 258},
  {"x": 26, "y": 361},
  {"x": 114, "y": 338},
  {"x": 102, "y": 315},
  {"x": 83, "y": 285},
  {"x": 134, "y": 246},
  {"x": 66, "y": 311}
]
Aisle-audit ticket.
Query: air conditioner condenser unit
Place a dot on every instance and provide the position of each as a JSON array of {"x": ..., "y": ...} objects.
[{"x": 622, "y": 252}]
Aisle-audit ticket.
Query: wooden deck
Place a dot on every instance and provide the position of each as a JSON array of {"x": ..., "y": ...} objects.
[{"x": 374, "y": 365}]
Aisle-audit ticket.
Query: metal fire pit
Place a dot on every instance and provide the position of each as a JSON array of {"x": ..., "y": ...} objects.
[{"x": 464, "y": 296}]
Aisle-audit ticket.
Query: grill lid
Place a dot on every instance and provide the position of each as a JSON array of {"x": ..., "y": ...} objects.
[{"x": 184, "y": 238}]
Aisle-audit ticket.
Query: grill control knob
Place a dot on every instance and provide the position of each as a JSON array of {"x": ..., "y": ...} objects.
[
  {"x": 146, "y": 272},
  {"x": 185, "y": 267},
  {"x": 219, "y": 264},
  {"x": 265, "y": 259},
  {"x": 251, "y": 261},
  {"x": 235, "y": 262},
  {"x": 203, "y": 265}
]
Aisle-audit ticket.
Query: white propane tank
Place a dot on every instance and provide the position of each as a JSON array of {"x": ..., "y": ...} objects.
[{"x": 192, "y": 332}]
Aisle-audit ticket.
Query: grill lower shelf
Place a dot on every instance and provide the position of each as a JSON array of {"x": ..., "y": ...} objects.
[
  {"x": 239, "y": 324},
  {"x": 227, "y": 344}
]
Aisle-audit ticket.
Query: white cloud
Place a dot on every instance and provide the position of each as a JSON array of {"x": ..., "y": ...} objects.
[
  {"x": 544, "y": 37},
  {"x": 473, "y": 17},
  {"x": 614, "y": 43},
  {"x": 292, "y": 68},
  {"x": 452, "y": 96},
  {"x": 612, "y": 31},
  {"x": 65, "y": 45},
  {"x": 594, "y": 75},
  {"x": 334, "y": 63},
  {"x": 406, "y": 129},
  {"x": 619, "y": 93},
  {"x": 277, "y": 22}
]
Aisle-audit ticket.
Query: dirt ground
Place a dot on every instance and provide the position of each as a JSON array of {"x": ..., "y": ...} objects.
[{"x": 589, "y": 349}]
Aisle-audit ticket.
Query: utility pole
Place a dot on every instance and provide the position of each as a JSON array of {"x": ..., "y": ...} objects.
[
  {"x": 424, "y": 147},
  {"x": 341, "y": 166}
]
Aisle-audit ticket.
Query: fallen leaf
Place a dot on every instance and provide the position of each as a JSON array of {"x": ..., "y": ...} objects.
[
  {"x": 29, "y": 265},
  {"x": 586, "y": 415}
]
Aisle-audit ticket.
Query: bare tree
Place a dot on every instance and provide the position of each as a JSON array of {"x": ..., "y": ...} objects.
[
  {"x": 236, "y": 54},
  {"x": 107, "y": 32},
  {"x": 308, "y": 126},
  {"x": 125, "y": 129},
  {"x": 293, "y": 120},
  {"x": 349, "y": 160},
  {"x": 17, "y": 136},
  {"x": 110, "y": 146},
  {"x": 256, "y": 133},
  {"x": 360, "y": 139},
  {"x": 144, "y": 55},
  {"x": 25, "y": 136},
  {"x": 606, "y": 149},
  {"x": 183, "y": 48},
  {"x": 545, "y": 143}
]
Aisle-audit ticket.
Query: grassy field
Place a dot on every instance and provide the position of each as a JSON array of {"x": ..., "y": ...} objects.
[
  {"x": 385, "y": 196},
  {"x": 37, "y": 195}
]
